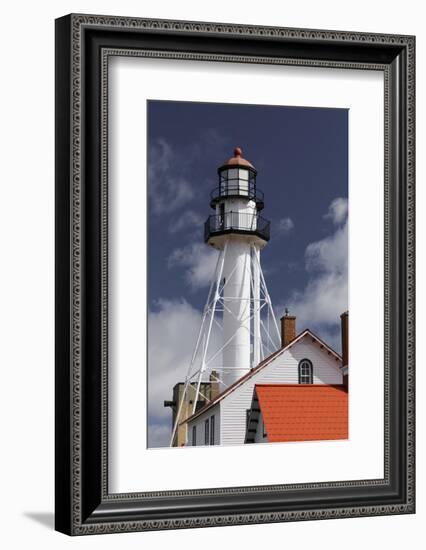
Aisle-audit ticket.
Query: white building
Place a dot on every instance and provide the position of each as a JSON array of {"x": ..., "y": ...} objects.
[{"x": 303, "y": 359}]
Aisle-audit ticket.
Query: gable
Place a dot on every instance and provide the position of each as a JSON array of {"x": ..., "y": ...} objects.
[
  {"x": 326, "y": 365},
  {"x": 284, "y": 368}
]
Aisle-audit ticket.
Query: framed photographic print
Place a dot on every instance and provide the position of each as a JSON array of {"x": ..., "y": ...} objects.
[{"x": 227, "y": 197}]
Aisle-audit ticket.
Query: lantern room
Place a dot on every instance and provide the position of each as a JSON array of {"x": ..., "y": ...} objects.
[
  {"x": 236, "y": 202},
  {"x": 237, "y": 178}
]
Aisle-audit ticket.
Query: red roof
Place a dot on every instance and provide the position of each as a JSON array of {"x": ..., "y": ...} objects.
[
  {"x": 303, "y": 412},
  {"x": 237, "y": 159}
]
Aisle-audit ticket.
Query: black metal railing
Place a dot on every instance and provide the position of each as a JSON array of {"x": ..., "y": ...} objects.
[
  {"x": 237, "y": 188},
  {"x": 236, "y": 222}
]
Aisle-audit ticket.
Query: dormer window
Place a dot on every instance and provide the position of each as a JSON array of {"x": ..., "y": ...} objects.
[{"x": 306, "y": 372}]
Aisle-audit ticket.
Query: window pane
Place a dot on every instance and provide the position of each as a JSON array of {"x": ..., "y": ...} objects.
[
  {"x": 233, "y": 173},
  {"x": 244, "y": 174},
  {"x": 244, "y": 186},
  {"x": 305, "y": 372},
  {"x": 206, "y": 432},
  {"x": 212, "y": 430}
]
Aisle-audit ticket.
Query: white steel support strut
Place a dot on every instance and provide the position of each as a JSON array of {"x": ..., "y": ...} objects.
[
  {"x": 258, "y": 317},
  {"x": 268, "y": 299},
  {"x": 208, "y": 315},
  {"x": 209, "y": 330},
  {"x": 256, "y": 305}
]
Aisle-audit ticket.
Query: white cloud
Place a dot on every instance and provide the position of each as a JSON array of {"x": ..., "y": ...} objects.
[
  {"x": 329, "y": 255},
  {"x": 325, "y": 296},
  {"x": 159, "y": 435},
  {"x": 169, "y": 186},
  {"x": 285, "y": 225},
  {"x": 167, "y": 189},
  {"x": 200, "y": 261},
  {"x": 189, "y": 219},
  {"x": 172, "y": 332},
  {"x": 337, "y": 211}
]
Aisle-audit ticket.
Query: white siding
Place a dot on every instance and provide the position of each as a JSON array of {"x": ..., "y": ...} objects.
[
  {"x": 282, "y": 370},
  {"x": 200, "y": 423}
]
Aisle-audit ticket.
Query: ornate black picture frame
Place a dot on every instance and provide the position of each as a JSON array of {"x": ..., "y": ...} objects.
[{"x": 83, "y": 45}]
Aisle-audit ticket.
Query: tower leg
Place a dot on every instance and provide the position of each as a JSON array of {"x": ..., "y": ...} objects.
[
  {"x": 210, "y": 323},
  {"x": 208, "y": 316},
  {"x": 271, "y": 313},
  {"x": 256, "y": 305}
]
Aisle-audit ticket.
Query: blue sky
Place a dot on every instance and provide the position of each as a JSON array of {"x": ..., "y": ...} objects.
[{"x": 301, "y": 155}]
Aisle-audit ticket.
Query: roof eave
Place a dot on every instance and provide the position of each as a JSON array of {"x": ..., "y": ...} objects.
[{"x": 259, "y": 367}]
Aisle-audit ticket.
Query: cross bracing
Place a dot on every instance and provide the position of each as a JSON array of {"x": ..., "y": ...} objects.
[{"x": 207, "y": 359}]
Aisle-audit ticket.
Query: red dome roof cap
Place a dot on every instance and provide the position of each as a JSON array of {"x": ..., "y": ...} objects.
[{"x": 237, "y": 160}]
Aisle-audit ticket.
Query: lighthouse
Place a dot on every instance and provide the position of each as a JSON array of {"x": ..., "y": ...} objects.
[
  {"x": 238, "y": 231},
  {"x": 238, "y": 305}
]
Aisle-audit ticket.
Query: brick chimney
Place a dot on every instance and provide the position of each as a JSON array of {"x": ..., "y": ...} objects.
[
  {"x": 344, "y": 319},
  {"x": 288, "y": 328}
]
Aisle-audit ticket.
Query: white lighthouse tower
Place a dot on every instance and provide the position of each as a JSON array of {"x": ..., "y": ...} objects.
[{"x": 238, "y": 303}]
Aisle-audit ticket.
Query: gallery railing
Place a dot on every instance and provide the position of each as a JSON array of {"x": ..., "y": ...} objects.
[{"x": 236, "y": 222}]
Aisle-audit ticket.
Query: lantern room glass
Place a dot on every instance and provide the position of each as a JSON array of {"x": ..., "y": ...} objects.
[{"x": 237, "y": 181}]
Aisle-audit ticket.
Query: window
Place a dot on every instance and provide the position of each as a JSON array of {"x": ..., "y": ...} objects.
[
  {"x": 243, "y": 174},
  {"x": 306, "y": 372},
  {"x": 212, "y": 430},
  {"x": 243, "y": 182},
  {"x": 233, "y": 174},
  {"x": 194, "y": 436},
  {"x": 206, "y": 432}
]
